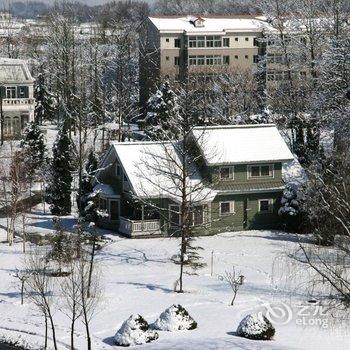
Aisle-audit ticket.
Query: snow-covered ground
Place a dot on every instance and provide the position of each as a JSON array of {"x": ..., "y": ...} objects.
[{"x": 138, "y": 278}]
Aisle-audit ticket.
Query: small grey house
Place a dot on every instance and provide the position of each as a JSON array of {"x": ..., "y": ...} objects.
[
  {"x": 17, "y": 102},
  {"x": 241, "y": 167}
]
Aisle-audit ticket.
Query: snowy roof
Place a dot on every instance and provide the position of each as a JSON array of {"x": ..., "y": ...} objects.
[
  {"x": 211, "y": 24},
  {"x": 14, "y": 71},
  {"x": 145, "y": 164},
  {"x": 241, "y": 144}
]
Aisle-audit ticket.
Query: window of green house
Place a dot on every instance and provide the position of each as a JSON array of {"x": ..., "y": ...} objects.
[
  {"x": 227, "y": 173},
  {"x": 265, "y": 206},
  {"x": 226, "y": 208},
  {"x": 255, "y": 171}
]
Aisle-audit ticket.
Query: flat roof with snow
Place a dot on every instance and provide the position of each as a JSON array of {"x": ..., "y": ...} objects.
[
  {"x": 210, "y": 24},
  {"x": 241, "y": 144}
]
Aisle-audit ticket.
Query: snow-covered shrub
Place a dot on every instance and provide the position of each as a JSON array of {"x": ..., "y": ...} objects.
[
  {"x": 290, "y": 201},
  {"x": 257, "y": 327},
  {"x": 175, "y": 318},
  {"x": 135, "y": 331}
]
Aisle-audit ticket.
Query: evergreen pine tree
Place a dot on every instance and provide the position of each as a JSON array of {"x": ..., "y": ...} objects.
[
  {"x": 87, "y": 185},
  {"x": 45, "y": 106},
  {"x": 58, "y": 192},
  {"x": 162, "y": 114},
  {"x": 33, "y": 149}
]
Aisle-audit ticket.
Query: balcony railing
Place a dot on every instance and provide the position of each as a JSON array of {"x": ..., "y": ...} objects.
[
  {"x": 17, "y": 101},
  {"x": 138, "y": 227}
]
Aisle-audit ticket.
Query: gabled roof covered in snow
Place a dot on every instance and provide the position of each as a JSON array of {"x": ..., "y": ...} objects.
[
  {"x": 14, "y": 71},
  {"x": 212, "y": 24},
  {"x": 146, "y": 165},
  {"x": 237, "y": 144}
]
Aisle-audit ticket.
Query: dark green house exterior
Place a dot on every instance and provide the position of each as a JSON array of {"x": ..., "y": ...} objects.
[{"x": 245, "y": 184}]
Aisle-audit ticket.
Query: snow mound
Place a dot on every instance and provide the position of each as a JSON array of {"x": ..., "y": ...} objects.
[
  {"x": 175, "y": 318},
  {"x": 257, "y": 327},
  {"x": 135, "y": 331}
]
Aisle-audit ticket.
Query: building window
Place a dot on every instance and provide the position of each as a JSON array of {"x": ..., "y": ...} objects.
[
  {"x": 236, "y": 57},
  {"x": 167, "y": 40},
  {"x": 199, "y": 215},
  {"x": 167, "y": 58},
  {"x": 236, "y": 39},
  {"x": 226, "y": 42},
  {"x": 196, "y": 41},
  {"x": 256, "y": 59},
  {"x": 23, "y": 92},
  {"x": 227, "y": 208},
  {"x": 277, "y": 75},
  {"x": 246, "y": 39},
  {"x": 246, "y": 57},
  {"x": 275, "y": 58},
  {"x": 177, "y": 43},
  {"x": 10, "y": 92},
  {"x": 177, "y": 61},
  {"x": 255, "y": 171},
  {"x": 118, "y": 170},
  {"x": 265, "y": 206},
  {"x": 256, "y": 42},
  {"x": 226, "y": 59},
  {"x": 213, "y": 41},
  {"x": 227, "y": 173},
  {"x": 174, "y": 215},
  {"x": 204, "y": 60}
]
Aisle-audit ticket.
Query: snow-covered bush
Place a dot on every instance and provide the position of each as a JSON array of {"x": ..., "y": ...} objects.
[
  {"x": 290, "y": 201},
  {"x": 175, "y": 318},
  {"x": 135, "y": 331},
  {"x": 257, "y": 327}
]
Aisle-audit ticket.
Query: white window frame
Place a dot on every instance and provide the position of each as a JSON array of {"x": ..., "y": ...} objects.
[
  {"x": 231, "y": 173},
  {"x": 226, "y": 42},
  {"x": 270, "y": 201},
  {"x": 271, "y": 171},
  {"x": 232, "y": 208},
  {"x": 10, "y": 88}
]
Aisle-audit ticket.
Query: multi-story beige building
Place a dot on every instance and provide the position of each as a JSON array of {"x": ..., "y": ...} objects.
[
  {"x": 17, "y": 103},
  {"x": 176, "y": 46}
]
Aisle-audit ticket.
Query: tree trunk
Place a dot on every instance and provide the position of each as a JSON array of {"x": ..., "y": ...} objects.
[
  {"x": 91, "y": 265},
  {"x": 53, "y": 330},
  {"x": 45, "y": 346}
]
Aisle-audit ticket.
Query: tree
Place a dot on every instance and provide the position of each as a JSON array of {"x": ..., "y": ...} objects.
[
  {"x": 33, "y": 149},
  {"x": 234, "y": 280},
  {"x": 87, "y": 183},
  {"x": 171, "y": 168},
  {"x": 327, "y": 204},
  {"x": 61, "y": 250},
  {"x": 58, "y": 191},
  {"x": 39, "y": 287},
  {"x": 162, "y": 113},
  {"x": 45, "y": 101}
]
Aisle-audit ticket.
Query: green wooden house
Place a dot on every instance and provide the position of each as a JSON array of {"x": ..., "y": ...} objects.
[{"x": 242, "y": 167}]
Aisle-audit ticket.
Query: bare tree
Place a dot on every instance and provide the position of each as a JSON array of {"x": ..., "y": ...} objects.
[
  {"x": 235, "y": 280},
  {"x": 39, "y": 287}
]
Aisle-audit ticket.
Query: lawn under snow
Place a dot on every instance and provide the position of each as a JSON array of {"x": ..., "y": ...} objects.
[{"x": 138, "y": 278}]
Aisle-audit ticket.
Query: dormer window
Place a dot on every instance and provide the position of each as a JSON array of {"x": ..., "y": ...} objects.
[
  {"x": 227, "y": 173},
  {"x": 198, "y": 22},
  {"x": 256, "y": 171}
]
